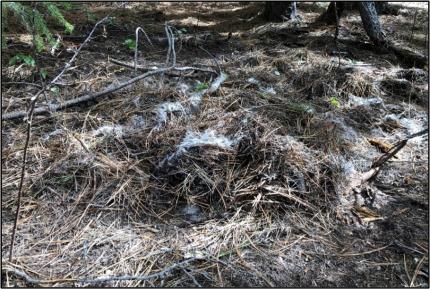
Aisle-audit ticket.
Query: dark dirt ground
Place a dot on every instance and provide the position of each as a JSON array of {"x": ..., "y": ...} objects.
[{"x": 117, "y": 211}]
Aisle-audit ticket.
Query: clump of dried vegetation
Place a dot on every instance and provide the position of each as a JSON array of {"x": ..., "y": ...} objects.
[{"x": 242, "y": 187}]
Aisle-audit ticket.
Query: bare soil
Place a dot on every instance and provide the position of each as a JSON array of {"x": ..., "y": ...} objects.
[{"x": 252, "y": 182}]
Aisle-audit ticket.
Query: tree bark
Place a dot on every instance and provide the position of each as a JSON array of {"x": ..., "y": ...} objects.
[
  {"x": 278, "y": 11},
  {"x": 329, "y": 16},
  {"x": 371, "y": 24}
]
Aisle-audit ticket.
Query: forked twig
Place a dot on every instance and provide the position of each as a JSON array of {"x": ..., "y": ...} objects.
[
  {"x": 173, "y": 46},
  {"x": 171, "y": 41},
  {"x": 392, "y": 152}
]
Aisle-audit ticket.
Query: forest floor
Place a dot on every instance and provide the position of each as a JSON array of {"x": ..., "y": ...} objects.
[{"x": 249, "y": 185}]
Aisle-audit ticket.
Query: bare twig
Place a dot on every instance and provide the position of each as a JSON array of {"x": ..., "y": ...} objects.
[
  {"x": 162, "y": 274},
  {"x": 417, "y": 269},
  {"x": 23, "y": 275},
  {"x": 23, "y": 83},
  {"x": 171, "y": 42},
  {"x": 192, "y": 278},
  {"x": 173, "y": 46},
  {"x": 213, "y": 57},
  {"x": 88, "y": 97},
  {"x": 30, "y": 112},
  {"x": 144, "y": 68},
  {"x": 395, "y": 149},
  {"x": 137, "y": 44}
]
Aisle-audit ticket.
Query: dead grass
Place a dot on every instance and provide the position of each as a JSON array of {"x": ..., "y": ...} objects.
[{"x": 110, "y": 192}]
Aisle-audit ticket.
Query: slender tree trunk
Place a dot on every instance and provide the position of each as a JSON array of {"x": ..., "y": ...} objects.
[
  {"x": 371, "y": 24},
  {"x": 329, "y": 16},
  {"x": 278, "y": 11}
]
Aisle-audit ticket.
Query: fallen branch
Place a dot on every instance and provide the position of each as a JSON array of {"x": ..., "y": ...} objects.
[
  {"x": 393, "y": 151},
  {"x": 145, "y": 68},
  {"x": 162, "y": 274},
  {"x": 358, "y": 179},
  {"x": 89, "y": 97}
]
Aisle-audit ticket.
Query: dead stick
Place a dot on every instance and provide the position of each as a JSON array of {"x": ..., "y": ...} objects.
[
  {"x": 396, "y": 148},
  {"x": 144, "y": 68},
  {"x": 88, "y": 97},
  {"x": 160, "y": 274},
  {"x": 392, "y": 152}
]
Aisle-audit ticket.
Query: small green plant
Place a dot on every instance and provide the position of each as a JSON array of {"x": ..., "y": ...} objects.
[
  {"x": 55, "y": 90},
  {"x": 67, "y": 6},
  {"x": 334, "y": 101},
  {"x": 201, "y": 86},
  {"x": 300, "y": 107},
  {"x": 23, "y": 58},
  {"x": 181, "y": 31},
  {"x": 130, "y": 43},
  {"x": 43, "y": 73}
]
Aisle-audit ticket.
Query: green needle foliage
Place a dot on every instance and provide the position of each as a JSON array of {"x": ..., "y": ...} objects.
[{"x": 33, "y": 20}]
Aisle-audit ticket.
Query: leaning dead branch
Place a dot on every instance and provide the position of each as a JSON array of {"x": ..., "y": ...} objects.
[{"x": 30, "y": 112}]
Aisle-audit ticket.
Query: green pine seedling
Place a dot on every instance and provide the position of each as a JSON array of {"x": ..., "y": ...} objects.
[
  {"x": 130, "y": 43},
  {"x": 201, "y": 86},
  {"x": 334, "y": 102},
  {"x": 22, "y": 58}
]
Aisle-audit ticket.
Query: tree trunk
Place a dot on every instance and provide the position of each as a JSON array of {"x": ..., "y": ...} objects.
[
  {"x": 329, "y": 16},
  {"x": 278, "y": 11},
  {"x": 371, "y": 24}
]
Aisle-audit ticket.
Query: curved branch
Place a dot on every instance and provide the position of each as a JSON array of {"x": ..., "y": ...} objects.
[{"x": 137, "y": 44}]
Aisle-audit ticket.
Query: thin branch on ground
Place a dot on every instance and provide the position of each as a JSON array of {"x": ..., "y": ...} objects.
[
  {"x": 145, "y": 68},
  {"x": 192, "y": 278},
  {"x": 393, "y": 151},
  {"x": 89, "y": 97},
  {"x": 23, "y": 83},
  {"x": 162, "y": 274},
  {"x": 213, "y": 57}
]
